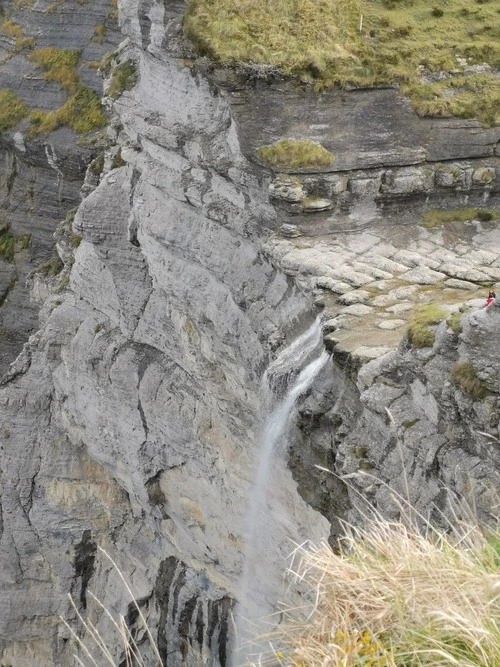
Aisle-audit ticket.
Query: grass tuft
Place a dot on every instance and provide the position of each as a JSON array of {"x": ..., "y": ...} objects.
[
  {"x": 294, "y": 153},
  {"x": 82, "y": 112},
  {"x": 58, "y": 65},
  {"x": 455, "y": 322},
  {"x": 392, "y": 596},
  {"x": 12, "y": 109},
  {"x": 464, "y": 376},
  {"x": 419, "y": 332}
]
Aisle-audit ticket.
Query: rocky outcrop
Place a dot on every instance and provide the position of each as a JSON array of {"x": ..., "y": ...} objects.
[
  {"x": 131, "y": 419},
  {"x": 41, "y": 176}
]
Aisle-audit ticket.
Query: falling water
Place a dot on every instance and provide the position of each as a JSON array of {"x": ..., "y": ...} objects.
[{"x": 261, "y": 577}]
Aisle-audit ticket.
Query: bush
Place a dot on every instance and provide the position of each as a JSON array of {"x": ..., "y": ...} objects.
[
  {"x": 419, "y": 333},
  {"x": 393, "y": 597},
  {"x": 464, "y": 376},
  {"x": 290, "y": 153}
]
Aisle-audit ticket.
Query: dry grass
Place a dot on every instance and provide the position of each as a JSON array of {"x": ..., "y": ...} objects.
[
  {"x": 95, "y": 648},
  {"x": 295, "y": 153},
  {"x": 394, "y": 597},
  {"x": 320, "y": 41}
]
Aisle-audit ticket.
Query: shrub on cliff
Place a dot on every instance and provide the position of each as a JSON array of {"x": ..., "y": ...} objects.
[{"x": 394, "y": 597}]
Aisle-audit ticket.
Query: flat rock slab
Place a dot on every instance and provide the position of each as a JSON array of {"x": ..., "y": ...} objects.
[
  {"x": 422, "y": 276},
  {"x": 400, "y": 307},
  {"x": 357, "y": 309},
  {"x": 390, "y": 325}
]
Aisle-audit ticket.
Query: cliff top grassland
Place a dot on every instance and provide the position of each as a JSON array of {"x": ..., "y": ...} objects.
[{"x": 444, "y": 55}]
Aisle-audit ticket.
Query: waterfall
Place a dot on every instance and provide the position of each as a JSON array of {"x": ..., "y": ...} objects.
[{"x": 282, "y": 384}]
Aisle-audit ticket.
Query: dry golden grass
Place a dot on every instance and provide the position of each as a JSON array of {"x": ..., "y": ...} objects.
[{"x": 394, "y": 597}]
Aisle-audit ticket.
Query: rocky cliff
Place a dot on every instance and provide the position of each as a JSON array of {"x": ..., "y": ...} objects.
[{"x": 130, "y": 420}]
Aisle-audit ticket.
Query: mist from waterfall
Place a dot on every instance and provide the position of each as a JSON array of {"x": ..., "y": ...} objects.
[{"x": 282, "y": 384}]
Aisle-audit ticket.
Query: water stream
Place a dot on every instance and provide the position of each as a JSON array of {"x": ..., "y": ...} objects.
[{"x": 285, "y": 380}]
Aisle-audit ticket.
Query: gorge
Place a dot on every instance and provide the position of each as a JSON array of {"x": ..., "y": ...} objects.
[{"x": 131, "y": 401}]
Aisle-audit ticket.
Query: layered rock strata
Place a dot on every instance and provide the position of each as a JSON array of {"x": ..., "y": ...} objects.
[{"x": 130, "y": 421}]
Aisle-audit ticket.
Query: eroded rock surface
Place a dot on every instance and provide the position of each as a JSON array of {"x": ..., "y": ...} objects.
[{"x": 131, "y": 419}]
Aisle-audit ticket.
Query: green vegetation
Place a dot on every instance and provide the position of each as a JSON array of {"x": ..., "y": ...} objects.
[
  {"x": 390, "y": 596},
  {"x": 12, "y": 109},
  {"x": 118, "y": 161},
  {"x": 408, "y": 423},
  {"x": 123, "y": 78},
  {"x": 97, "y": 164},
  {"x": 455, "y": 322},
  {"x": 99, "y": 33},
  {"x": 398, "y": 41},
  {"x": 419, "y": 332},
  {"x": 10, "y": 243},
  {"x": 51, "y": 267},
  {"x": 82, "y": 111},
  {"x": 293, "y": 153},
  {"x": 437, "y": 216},
  {"x": 464, "y": 376},
  {"x": 58, "y": 65},
  {"x": 7, "y": 242},
  {"x": 14, "y": 30}
]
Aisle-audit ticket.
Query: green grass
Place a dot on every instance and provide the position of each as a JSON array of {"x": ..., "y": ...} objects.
[
  {"x": 7, "y": 242},
  {"x": 12, "y": 109},
  {"x": 58, "y": 65},
  {"x": 319, "y": 41},
  {"x": 123, "y": 78},
  {"x": 455, "y": 322},
  {"x": 10, "y": 243},
  {"x": 464, "y": 376},
  {"x": 82, "y": 110},
  {"x": 422, "y": 318},
  {"x": 292, "y": 153},
  {"x": 437, "y": 216},
  {"x": 14, "y": 30}
]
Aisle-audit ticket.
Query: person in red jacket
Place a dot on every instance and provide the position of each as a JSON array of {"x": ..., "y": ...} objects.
[{"x": 491, "y": 297}]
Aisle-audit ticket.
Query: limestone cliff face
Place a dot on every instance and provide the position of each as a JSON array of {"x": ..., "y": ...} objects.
[{"x": 131, "y": 419}]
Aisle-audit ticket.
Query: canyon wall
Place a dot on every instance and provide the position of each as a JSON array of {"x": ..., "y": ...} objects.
[{"x": 131, "y": 419}]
